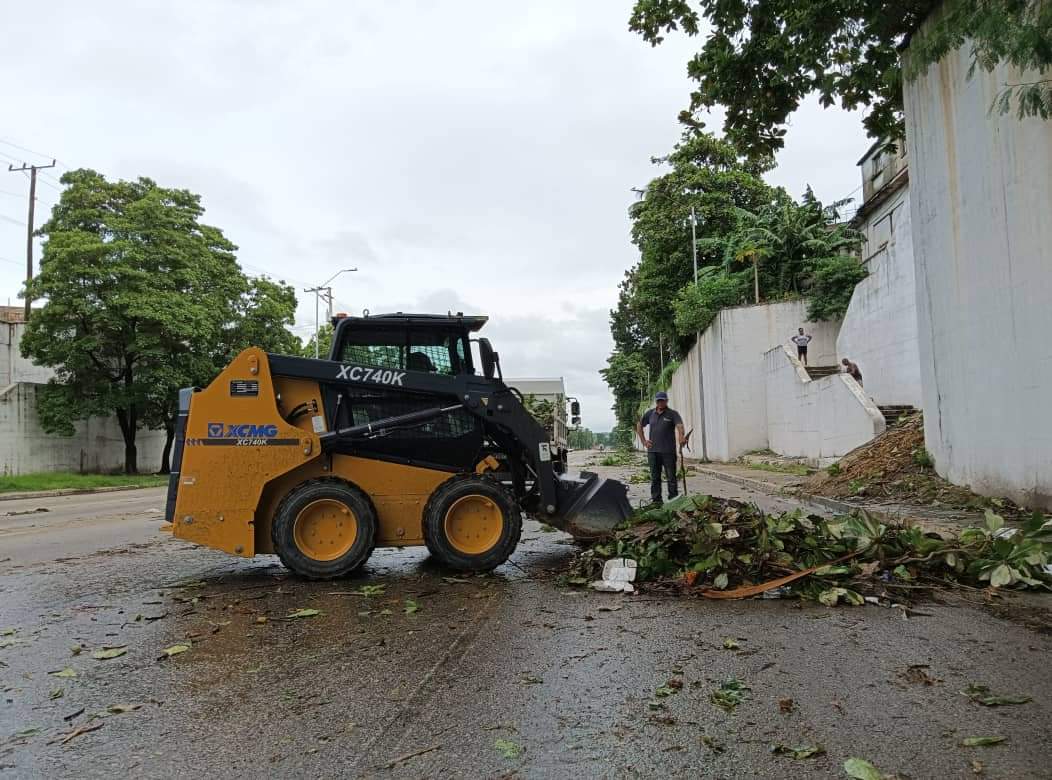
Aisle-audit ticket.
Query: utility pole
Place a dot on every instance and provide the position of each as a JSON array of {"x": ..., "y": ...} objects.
[
  {"x": 697, "y": 343},
  {"x": 323, "y": 290},
  {"x": 29, "y": 226}
]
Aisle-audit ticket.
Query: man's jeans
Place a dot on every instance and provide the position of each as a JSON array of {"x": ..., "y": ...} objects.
[{"x": 662, "y": 461}]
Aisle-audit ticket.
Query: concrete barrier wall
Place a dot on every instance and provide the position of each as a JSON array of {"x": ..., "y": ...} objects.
[
  {"x": 981, "y": 199},
  {"x": 729, "y": 363},
  {"x": 820, "y": 420},
  {"x": 13, "y": 367},
  {"x": 879, "y": 331},
  {"x": 97, "y": 445}
]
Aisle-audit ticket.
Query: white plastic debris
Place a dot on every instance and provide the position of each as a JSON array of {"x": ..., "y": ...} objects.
[
  {"x": 618, "y": 576},
  {"x": 1005, "y": 533}
]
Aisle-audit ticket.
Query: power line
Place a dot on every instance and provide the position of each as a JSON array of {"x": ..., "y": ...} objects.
[{"x": 38, "y": 154}]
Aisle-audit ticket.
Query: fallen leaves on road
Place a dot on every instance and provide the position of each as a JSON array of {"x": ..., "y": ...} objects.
[
  {"x": 730, "y": 644},
  {"x": 106, "y": 653},
  {"x": 530, "y": 679},
  {"x": 67, "y": 672},
  {"x": 510, "y": 750},
  {"x": 57, "y": 693},
  {"x": 982, "y": 741},
  {"x": 730, "y": 694},
  {"x": 168, "y": 652},
  {"x": 786, "y": 705},
  {"x": 860, "y": 769},
  {"x": 304, "y": 613},
  {"x": 370, "y": 590},
  {"x": 800, "y": 752},
  {"x": 980, "y": 694},
  {"x": 737, "y": 551},
  {"x": 411, "y": 607}
]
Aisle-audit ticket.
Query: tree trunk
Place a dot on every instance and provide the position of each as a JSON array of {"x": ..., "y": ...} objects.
[
  {"x": 756, "y": 279},
  {"x": 126, "y": 420},
  {"x": 166, "y": 453}
]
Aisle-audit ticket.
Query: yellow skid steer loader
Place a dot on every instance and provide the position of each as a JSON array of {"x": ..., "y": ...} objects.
[{"x": 392, "y": 441}]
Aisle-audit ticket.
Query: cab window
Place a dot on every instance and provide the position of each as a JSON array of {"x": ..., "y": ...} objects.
[{"x": 382, "y": 348}]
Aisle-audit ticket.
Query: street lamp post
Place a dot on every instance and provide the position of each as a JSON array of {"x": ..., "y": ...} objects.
[{"x": 323, "y": 290}]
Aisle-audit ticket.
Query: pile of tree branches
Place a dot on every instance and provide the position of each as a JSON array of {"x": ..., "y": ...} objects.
[{"x": 728, "y": 548}]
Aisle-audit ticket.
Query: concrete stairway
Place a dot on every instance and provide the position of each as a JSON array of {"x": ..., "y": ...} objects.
[
  {"x": 892, "y": 414},
  {"x": 817, "y": 372}
]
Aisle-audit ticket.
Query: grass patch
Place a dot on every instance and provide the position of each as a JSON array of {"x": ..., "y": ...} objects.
[
  {"x": 61, "y": 480},
  {"x": 783, "y": 468}
]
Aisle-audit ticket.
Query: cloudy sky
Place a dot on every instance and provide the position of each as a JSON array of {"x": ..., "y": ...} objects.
[{"x": 472, "y": 156}]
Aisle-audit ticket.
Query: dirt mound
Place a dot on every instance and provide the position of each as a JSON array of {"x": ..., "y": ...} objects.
[{"x": 895, "y": 465}]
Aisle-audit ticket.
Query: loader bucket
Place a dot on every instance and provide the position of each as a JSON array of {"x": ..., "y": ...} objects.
[{"x": 590, "y": 506}]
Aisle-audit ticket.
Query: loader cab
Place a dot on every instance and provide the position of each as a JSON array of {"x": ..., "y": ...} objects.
[
  {"x": 411, "y": 342},
  {"x": 427, "y": 343}
]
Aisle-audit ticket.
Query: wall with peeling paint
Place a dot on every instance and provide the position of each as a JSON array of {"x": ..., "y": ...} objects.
[{"x": 981, "y": 203}]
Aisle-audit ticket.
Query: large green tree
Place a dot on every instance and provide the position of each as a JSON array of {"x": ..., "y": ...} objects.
[
  {"x": 761, "y": 58},
  {"x": 142, "y": 299}
]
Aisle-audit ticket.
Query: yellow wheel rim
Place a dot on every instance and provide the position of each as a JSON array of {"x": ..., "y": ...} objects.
[
  {"x": 325, "y": 529},
  {"x": 473, "y": 524}
]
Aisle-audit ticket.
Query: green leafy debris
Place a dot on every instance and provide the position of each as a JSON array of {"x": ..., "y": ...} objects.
[
  {"x": 371, "y": 590},
  {"x": 411, "y": 607},
  {"x": 109, "y": 652},
  {"x": 168, "y": 652},
  {"x": 510, "y": 750},
  {"x": 68, "y": 672},
  {"x": 860, "y": 769},
  {"x": 724, "y": 544},
  {"x": 730, "y": 694},
  {"x": 799, "y": 752},
  {"x": 304, "y": 613},
  {"x": 982, "y": 741},
  {"x": 981, "y": 695}
]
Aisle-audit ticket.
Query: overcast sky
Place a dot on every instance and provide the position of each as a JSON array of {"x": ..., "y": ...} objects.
[{"x": 465, "y": 156}]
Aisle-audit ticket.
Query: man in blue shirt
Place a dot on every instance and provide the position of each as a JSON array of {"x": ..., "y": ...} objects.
[{"x": 666, "y": 432}]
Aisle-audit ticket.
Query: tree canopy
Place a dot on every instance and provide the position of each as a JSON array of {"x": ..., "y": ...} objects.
[
  {"x": 142, "y": 299},
  {"x": 761, "y": 58},
  {"x": 754, "y": 243}
]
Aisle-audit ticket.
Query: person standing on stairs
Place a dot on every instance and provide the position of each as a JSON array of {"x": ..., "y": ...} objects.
[
  {"x": 853, "y": 370},
  {"x": 801, "y": 340},
  {"x": 666, "y": 431}
]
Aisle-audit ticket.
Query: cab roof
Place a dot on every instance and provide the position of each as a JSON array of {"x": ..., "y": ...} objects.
[{"x": 472, "y": 323}]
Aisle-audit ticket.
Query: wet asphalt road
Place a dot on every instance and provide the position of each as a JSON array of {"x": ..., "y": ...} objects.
[{"x": 510, "y": 674}]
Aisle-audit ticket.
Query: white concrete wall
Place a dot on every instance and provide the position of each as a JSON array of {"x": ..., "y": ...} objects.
[
  {"x": 14, "y": 367},
  {"x": 820, "y": 420},
  {"x": 879, "y": 331},
  {"x": 982, "y": 233},
  {"x": 96, "y": 446},
  {"x": 731, "y": 354}
]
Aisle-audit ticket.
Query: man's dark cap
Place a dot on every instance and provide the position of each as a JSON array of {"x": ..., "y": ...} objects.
[{"x": 660, "y": 395}]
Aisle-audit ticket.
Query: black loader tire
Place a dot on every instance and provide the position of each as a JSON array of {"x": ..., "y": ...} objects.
[
  {"x": 481, "y": 491},
  {"x": 326, "y": 497}
]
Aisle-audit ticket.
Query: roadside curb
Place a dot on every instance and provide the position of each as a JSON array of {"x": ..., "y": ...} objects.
[
  {"x": 809, "y": 498},
  {"x": 73, "y": 492}
]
